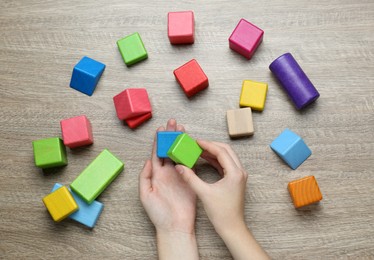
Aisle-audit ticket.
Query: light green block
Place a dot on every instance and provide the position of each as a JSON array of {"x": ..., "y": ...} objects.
[
  {"x": 185, "y": 150},
  {"x": 132, "y": 49},
  {"x": 97, "y": 176},
  {"x": 49, "y": 153}
]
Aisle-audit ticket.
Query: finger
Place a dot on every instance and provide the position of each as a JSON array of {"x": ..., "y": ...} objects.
[
  {"x": 213, "y": 162},
  {"x": 233, "y": 155},
  {"x": 145, "y": 179},
  {"x": 192, "y": 180},
  {"x": 156, "y": 162},
  {"x": 180, "y": 128},
  {"x": 171, "y": 125},
  {"x": 221, "y": 154}
]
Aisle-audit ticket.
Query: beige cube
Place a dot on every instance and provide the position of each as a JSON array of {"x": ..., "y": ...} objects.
[{"x": 239, "y": 122}]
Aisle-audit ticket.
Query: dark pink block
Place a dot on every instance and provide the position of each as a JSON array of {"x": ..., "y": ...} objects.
[
  {"x": 246, "y": 38},
  {"x": 76, "y": 131},
  {"x": 132, "y": 102},
  {"x": 181, "y": 27},
  {"x": 137, "y": 121}
]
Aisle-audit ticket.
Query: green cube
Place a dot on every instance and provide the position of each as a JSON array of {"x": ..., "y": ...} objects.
[
  {"x": 97, "y": 176},
  {"x": 185, "y": 150},
  {"x": 132, "y": 49},
  {"x": 49, "y": 153}
]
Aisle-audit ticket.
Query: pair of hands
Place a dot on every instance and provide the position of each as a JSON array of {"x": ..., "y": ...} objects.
[{"x": 168, "y": 194}]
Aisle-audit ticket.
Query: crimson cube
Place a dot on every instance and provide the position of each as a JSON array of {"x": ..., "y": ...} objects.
[
  {"x": 137, "y": 121},
  {"x": 191, "y": 78},
  {"x": 246, "y": 38},
  {"x": 76, "y": 131},
  {"x": 132, "y": 102},
  {"x": 181, "y": 27}
]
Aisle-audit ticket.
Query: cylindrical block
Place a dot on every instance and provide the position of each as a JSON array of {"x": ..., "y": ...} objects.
[{"x": 293, "y": 79}]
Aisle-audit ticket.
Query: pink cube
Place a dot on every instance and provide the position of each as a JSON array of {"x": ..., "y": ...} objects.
[
  {"x": 246, "y": 38},
  {"x": 181, "y": 27},
  {"x": 132, "y": 102},
  {"x": 76, "y": 131}
]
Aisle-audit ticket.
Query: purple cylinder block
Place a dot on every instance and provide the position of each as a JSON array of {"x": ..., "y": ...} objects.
[{"x": 294, "y": 80}]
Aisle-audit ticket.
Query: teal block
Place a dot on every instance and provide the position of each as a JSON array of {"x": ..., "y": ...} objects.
[
  {"x": 87, "y": 214},
  {"x": 185, "y": 150},
  {"x": 49, "y": 153},
  {"x": 97, "y": 176},
  {"x": 291, "y": 148},
  {"x": 165, "y": 140},
  {"x": 132, "y": 49}
]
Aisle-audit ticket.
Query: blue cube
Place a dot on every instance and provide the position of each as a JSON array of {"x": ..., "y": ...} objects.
[
  {"x": 291, "y": 148},
  {"x": 164, "y": 141},
  {"x": 87, "y": 214},
  {"x": 86, "y": 75}
]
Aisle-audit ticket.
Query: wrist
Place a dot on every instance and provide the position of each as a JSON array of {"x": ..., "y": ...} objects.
[{"x": 233, "y": 230}]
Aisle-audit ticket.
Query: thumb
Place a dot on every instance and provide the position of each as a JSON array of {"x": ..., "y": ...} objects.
[{"x": 189, "y": 176}]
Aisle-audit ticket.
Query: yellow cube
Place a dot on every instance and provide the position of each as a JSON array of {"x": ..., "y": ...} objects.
[
  {"x": 253, "y": 95},
  {"x": 60, "y": 204}
]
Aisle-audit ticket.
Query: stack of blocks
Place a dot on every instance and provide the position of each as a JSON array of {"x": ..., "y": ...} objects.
[
  {"x": 179, "y": 147},
  {"x": 86, "y": 75},
  {"x": 133, "y": 106}
]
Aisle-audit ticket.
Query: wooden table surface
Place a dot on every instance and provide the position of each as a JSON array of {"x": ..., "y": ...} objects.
[{"x": 333, "y": 40}]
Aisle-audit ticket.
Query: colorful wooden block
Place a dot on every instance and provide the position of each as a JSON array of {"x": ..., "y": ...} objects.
[
  {"x": 191, "y": 78},
  {"x": 87, "y": 214},
  {"x": 181, "y": 27},
  {"x": 86, "y": 75},
  {"x": 185, "y": 150},
  {"x": 76, "y": 131},
  {"x": 239, "y": 122},
  {"x": 291, "y": 148},
  {"x": 132, "y": 102},
  {"x": 165, "y": 140},
  {"x": 253, "y": 95},
  {"x": 132, "y": 49},
  {"x": 49, "y": 153},
  {"x": 294, "y": 80},
  {"x": 304, "y": 191},
  {"x": 246, "y": 38},
  {"x": 60, "y": 204},
  {"x": 134, "y": 122},
  {"x": 97, "y": 176}
]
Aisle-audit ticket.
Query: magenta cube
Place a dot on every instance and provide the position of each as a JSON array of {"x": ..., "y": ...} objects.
[
  {"x": 76, "y": 131},
  {"x": 181, "y": 27},
  {"x": 246, "y": 38},
  {"x": 132, "y": 102}
]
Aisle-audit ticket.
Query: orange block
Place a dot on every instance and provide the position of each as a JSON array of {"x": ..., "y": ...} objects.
[{"x": 304, "y": 191}]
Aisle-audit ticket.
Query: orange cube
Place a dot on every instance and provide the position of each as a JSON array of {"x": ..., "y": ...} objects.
[{"x": 304, "y": 191}]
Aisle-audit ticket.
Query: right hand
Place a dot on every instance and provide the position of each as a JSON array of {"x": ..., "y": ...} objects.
[{"x": 223, "y": 200}]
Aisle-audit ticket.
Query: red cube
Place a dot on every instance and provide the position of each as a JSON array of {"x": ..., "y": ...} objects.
[
  {"x": 181, "y": 27},
  {"x": 76, "y": 131},
  {"x": 137, "y": 121},
  {"x": 132, "y": 102},
  {"x": 191, "y": 78}
]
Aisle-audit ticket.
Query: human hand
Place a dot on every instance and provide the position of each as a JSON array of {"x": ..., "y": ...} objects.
[
  {"x": 224, "y": 200},
  {"x": 170, "y": 204}
]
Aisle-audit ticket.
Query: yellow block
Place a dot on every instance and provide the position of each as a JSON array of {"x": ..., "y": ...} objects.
[
  {"x": 60, "y": 204},
  {"x": 253, "y": 94}
]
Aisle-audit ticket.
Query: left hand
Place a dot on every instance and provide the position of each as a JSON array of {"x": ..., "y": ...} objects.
[{"x": 168, "y": 200}]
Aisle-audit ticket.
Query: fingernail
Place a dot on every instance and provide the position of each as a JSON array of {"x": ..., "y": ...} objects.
[{"x": 179, "y": 169}]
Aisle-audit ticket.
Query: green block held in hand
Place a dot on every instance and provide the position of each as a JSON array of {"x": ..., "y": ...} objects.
[
  {"x": 49, "y": 153},
  {"x": 185, "y": 150},
  {"x": 132, "y": 49},
  {"x": 97, "y": 176}
]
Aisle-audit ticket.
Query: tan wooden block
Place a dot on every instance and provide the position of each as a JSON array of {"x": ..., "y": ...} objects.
[{"x": 239, "y": 122}]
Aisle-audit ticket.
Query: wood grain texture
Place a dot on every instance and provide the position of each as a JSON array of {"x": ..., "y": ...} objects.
[{"x": 333, "y": 41}]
